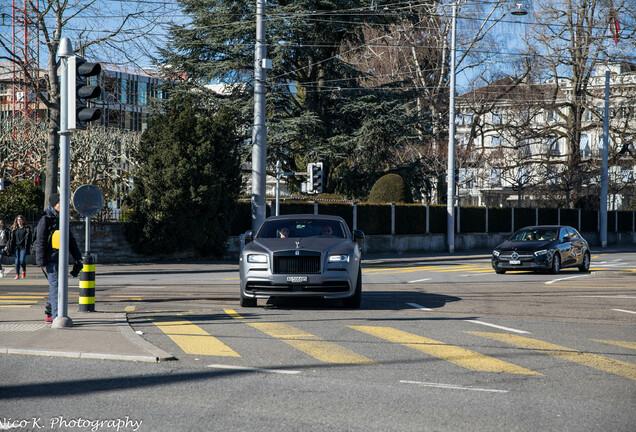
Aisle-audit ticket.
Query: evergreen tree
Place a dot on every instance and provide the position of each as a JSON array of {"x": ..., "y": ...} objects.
[
  {"x": 317, "y": 109},
  {"x": 189, "y": 177}
]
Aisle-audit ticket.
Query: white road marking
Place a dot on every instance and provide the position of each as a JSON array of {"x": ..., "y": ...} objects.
[
  {"x": 249, "y": 369},
  {"x": 415, "y": 305},
  {"x": 452, "y": 386},
  {"x": 497, "y": 326},
  {"x": 608, "y": 296},
  {"x": 419, "y": 280},
  {"x": 565, "y": 278},
  {"x": 623, "y": 310}
]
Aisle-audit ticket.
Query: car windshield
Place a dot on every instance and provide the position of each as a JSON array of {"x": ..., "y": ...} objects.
[
  {"x": 283, "y": 228},
  {"x": 535, "y": 234}
]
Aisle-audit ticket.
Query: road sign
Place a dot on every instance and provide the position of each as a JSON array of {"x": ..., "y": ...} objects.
[{"x": 88, "y": 200}]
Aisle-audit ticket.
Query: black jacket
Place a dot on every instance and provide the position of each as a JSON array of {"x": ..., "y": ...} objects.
[
  {"x": 28, "y": 238},
  {"x": 44, "y": 252}
]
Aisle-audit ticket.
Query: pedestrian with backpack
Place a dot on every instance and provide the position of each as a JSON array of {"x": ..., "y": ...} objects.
[
  {"x": 20, "y": 244},
  {"x": 47, "y": 251}
]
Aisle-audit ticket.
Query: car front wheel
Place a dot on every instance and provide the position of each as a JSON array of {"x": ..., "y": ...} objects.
[
  {"x": 585, "y": 265},
  {"x": 247, "y": 302},
  {"x": 556, "y": 263},
  {"x": 355, "y": 300},
  {"x": 500, "y": 271}
]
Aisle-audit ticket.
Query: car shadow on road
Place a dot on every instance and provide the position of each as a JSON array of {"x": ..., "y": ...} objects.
[{"x": 376, "y": 300}]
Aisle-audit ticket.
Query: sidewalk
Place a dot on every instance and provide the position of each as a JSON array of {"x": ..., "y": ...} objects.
[{"x": 94, "y": 335}]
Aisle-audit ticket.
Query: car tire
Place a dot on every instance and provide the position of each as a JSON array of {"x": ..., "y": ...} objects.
[
  {"x": 355, "y": 300},
  {"x": 585, "y": 266},
  {"x": 500, "y": 271},
  {"x": 556, "y": 263},
  {"x": 247, "y": 302}
]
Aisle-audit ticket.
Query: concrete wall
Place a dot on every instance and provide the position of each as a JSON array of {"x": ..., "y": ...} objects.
[{"x": 109, "y": 244}]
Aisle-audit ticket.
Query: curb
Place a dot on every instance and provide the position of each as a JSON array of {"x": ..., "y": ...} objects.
[
  {"x": 79, "y": 355},
  {"x": 127, "y": 330}
]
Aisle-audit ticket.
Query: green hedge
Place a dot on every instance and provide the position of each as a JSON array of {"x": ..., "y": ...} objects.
[
  {"x": 472, "y": 219},
  {"x": 525, "y": 217},
  {"x": 410, "y": 219},
  {"x": 499, "y": 219},
  {"x": 375, "y": 219}
]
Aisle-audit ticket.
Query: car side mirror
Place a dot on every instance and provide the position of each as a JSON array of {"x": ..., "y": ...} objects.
[
  {"x": 358, "y": 235},
  {"x": 249, "y": 236}
]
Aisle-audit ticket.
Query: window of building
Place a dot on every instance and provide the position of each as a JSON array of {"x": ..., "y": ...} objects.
[
  {"x": 143, "y": 93},
  {"x": 123, "y": 95},
  {"x": 496, "y": 118},
  {"x": 554, "y": 146},
  {"x": 523, "y": 147},
  {"x": 495, "y": 142},
  {"x": 585, "y": 147},
  {"x": 495, "y": 176}
]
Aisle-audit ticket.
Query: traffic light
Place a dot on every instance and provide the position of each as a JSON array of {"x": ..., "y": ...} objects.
[
  {"x": 315, "y": 177},
  {"x": 79, "y": 92}
]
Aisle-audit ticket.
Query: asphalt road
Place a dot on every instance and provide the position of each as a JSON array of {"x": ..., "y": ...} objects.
[{"x": 439, "y": 344}]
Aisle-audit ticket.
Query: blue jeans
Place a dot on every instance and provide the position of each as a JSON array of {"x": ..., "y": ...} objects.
[
  {"x": 52, "y": 273},
  {"x": 20, "y": 260}
]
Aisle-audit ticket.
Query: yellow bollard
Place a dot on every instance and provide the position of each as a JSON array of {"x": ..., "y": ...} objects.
[{"x": 87, "y": 285}]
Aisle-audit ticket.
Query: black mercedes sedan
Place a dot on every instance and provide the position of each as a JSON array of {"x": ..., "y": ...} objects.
[{"x": 545, "y": 247}]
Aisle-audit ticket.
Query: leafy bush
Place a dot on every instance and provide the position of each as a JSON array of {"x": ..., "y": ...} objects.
[
  {"x": 388, "y": 189},
  {"x": 21, "y": 197}
]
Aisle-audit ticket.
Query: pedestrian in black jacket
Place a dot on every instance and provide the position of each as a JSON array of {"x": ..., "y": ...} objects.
[
  {"x": 46, "y": 255},
  {"x": 20, "y": 244}
]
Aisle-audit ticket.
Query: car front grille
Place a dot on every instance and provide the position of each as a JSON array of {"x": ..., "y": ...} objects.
[
  {"x": 292, "y": 264},
  {"x": 522, "y": 256}
]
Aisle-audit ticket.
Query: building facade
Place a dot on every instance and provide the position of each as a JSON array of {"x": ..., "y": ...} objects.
[{"x": 527, "y": 144}]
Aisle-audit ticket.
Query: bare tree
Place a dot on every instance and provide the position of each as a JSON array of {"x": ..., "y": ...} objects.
[
  {"x": 569, "y": 40},
  {"x": 84, "y": 23}
]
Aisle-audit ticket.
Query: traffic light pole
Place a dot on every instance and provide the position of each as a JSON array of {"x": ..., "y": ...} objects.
[{"x": 63, "y": 320}]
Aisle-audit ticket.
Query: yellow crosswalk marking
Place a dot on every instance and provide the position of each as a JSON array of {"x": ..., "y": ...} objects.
[
  {"x": 192, "y": 339},
  {"x": 623, "y": 344},
  {"x": 460, "y": 356},
  {"x": 308, "y": 343},
  {"x": 595, "y": 361}
]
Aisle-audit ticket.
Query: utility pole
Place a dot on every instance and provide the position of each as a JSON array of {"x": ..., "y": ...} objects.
[
  {"x": 259, "y": 132},
  {"x": 450, "y": 181},
  {"x": 604, "y": 175}
]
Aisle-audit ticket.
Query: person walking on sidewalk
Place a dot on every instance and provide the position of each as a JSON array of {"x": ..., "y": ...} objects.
[
  {"x": 20, "y": 244},
  {"x": 47, "y": 253},
  {"x": 5, "y": 234}
]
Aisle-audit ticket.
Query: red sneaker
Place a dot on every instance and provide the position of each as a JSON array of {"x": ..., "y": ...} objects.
[
  {"x": 48, "y": 319},
  {"x": 17, "y": 276},
  {"x": 23, "y": 274}
]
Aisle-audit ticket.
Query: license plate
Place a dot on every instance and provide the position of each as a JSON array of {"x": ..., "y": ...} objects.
[
  {"x": 296, "y": 279},
  {"x": 515, "y": 262}
]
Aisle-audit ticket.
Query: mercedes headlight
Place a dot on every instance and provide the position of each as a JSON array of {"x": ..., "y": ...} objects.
[
  {"x": 496, "y": 253},
  {"x": 541, "y": 252}
]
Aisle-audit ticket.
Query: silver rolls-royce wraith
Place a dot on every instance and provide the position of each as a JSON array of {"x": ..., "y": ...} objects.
[{"x": 301, "y": 255}]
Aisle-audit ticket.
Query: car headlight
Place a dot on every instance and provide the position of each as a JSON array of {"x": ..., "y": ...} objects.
[
  {"x": 541, "y": 252},
  {"x": 496, "y": 253},
  {"x": 260, "y": 258},
  {"x": 338, "y": 258}
]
